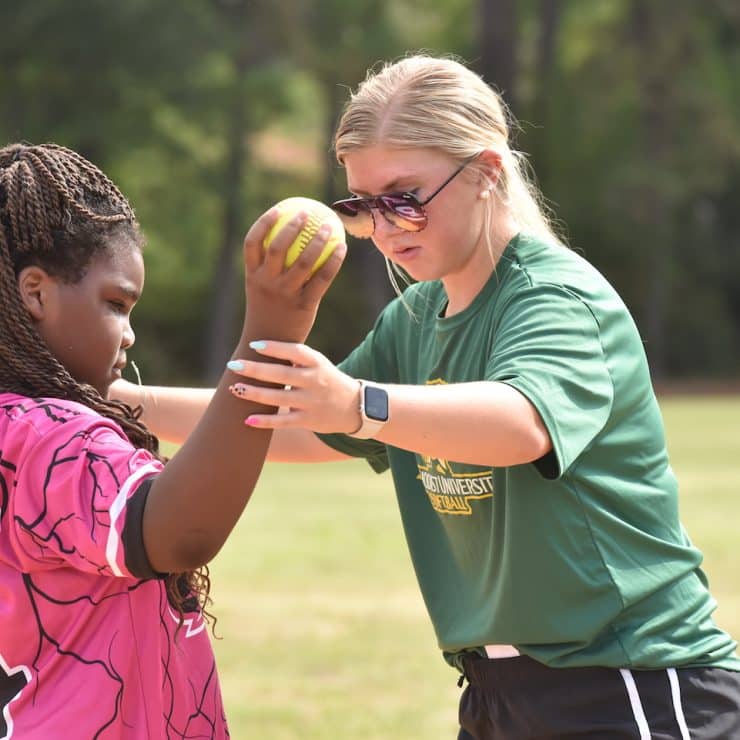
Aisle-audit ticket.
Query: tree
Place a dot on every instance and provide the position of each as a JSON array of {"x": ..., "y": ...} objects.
[
  {"x": 201, "y": 115},
  {"x": 244, "y": 28},
  {"x": 498, "y": 40},
  {"x": 546, "y": 75}
]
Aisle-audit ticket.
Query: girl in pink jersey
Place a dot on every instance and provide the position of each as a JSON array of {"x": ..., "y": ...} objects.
[{"x": 103, "y": 549}]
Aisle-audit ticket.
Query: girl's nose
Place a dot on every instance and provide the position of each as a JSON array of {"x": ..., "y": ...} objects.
[{"x": 128, "y": 336}]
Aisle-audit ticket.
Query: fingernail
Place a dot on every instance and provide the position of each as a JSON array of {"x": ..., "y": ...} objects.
[
  {"x": 250, "y": 421},
  {"x": 235, "y": 365},
  {"x": 238, "y": 389},
  {"x": 258, "y": 345}
]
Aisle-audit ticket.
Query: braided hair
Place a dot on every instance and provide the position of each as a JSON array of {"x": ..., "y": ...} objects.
[{"x": 57, "y": 212}]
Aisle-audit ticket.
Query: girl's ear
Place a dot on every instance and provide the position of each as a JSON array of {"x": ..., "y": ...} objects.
[{"x": 34, "y": 285}]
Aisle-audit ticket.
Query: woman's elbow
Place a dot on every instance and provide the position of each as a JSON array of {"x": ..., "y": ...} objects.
[{"x": 536, "y": 443}]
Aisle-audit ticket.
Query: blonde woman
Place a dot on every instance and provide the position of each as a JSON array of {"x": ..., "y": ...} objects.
[{"x": 509, "y": 393}]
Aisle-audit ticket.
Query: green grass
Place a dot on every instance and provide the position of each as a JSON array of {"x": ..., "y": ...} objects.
[
  {"x": 324, "y": 631},
  {"x": 704, "y": 446}
]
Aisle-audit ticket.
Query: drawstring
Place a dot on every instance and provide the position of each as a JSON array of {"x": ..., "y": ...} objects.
[{"x": 460, "y": 665}]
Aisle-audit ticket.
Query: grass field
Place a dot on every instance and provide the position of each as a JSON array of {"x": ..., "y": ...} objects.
[{"x": 324, "y": 631}]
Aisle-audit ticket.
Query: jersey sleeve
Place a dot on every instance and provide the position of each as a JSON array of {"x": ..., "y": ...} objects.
[
  {"x": 71, "y": 504},
  {"x": 548, "y": 347}
]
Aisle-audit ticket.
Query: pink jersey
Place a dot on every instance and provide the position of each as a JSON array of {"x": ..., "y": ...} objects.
[{"x": 88, "y": 650}]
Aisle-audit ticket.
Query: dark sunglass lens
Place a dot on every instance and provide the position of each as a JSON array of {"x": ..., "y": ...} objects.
[
  {"x": 348, "y": 207},
  {"x": 403, "y": 212},
  {"x": 356, "y": 216},
  {"x": 361, "y": 226}
]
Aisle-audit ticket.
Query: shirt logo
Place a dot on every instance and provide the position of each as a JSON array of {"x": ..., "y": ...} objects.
[
  {"x": 450, "y": 492},
  {"x": 451, "y": 489}
]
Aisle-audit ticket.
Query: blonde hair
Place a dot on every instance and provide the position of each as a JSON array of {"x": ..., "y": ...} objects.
[{"x": 436, "y": 102}]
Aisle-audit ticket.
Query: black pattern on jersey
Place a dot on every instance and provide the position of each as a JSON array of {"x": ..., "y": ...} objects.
[
  {"x": 52, "y": 603},
  {"x": 7, "y": 471},
  {"x": 45, "y": 603}
]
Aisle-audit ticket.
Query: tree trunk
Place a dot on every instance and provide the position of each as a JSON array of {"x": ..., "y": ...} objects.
[
  {"x": 550, "y": 13},
  {"x": 497, "y": 42},
  {"x": 244, "y": 25},
  {"x": 654, "y": 209},
  {"x": 227, "y": 278}
]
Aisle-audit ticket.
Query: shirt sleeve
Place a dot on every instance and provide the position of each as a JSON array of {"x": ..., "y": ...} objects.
[
  {"x": 548, "y": 346},
  {"x": 73, "y": 490}
]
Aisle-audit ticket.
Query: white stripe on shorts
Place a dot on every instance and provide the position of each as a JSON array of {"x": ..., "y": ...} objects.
[
  {"x": 677, "y": 708},
  {"x": 636, "y": 704}
]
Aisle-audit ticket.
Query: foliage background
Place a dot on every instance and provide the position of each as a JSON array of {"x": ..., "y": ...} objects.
[{"x": 207, "y": 111}]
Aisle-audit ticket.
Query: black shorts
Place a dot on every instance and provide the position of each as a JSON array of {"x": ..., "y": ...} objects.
[{"x": 521, "y": 699}]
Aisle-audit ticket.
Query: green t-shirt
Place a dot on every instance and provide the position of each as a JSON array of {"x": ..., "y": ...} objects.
[{"x": 578, "y": 559}]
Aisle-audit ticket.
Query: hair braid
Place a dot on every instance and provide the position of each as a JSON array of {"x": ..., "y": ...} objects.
[{"x": 58, "y": 211}]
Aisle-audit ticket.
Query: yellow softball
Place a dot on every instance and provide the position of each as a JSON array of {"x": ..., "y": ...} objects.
[{"x": 318, "y": 214}]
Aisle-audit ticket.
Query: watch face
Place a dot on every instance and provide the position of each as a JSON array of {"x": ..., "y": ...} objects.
[{"x": 376, "y": 403}]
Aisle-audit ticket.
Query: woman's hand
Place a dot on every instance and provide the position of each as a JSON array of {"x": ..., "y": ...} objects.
[
  {"x": 282, "y": 301},
  {"x": 316, "y": 395}
]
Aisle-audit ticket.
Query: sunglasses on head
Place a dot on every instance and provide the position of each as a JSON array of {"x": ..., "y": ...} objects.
[{"x": 403, "y": 210}]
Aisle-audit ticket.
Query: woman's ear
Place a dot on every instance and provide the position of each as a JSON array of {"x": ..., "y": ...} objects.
[
  {"x": 489, "y": 166},
  {"x": 34, "y": 285}
]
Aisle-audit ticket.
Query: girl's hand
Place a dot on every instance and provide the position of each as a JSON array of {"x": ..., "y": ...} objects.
[
  {"x": 316, "y": 395},
  {"x": 282, "y": 301}
]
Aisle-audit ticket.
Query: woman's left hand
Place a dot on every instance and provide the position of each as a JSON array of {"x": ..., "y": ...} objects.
[{"x": 316, "y": 395}]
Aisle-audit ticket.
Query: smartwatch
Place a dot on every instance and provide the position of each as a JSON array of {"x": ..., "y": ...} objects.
[{"x": 374, "y": 410}]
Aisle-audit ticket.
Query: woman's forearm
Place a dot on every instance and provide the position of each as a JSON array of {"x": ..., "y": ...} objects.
[
  {"x": 170, "y": 413},
  {"x": 481, "y": 423},
  {"x": 173, "y": 413}
]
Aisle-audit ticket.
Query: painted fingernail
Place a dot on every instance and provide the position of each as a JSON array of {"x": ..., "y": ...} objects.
[
  {"x": 258, "y": 345},
  {"x": 250, "y": 421},
  {"x": 238, "y": 389},
  {"x": 235, "y": 365}
]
